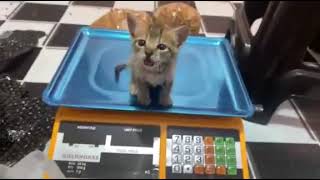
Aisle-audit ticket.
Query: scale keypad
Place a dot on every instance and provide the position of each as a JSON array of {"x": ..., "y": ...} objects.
[{"x": 203, "y": 155}]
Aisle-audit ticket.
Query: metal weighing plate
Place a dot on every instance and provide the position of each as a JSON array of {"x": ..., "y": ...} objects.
[{"x": 207, "y": 81}]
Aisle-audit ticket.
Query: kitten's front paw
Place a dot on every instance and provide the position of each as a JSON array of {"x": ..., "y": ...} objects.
[
  {"x": 166, "y": 102},
  {"x": 144, "y": 101}
]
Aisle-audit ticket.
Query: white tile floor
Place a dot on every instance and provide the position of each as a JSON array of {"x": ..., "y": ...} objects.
[
  {"x": 215, "y": 8},
  {"x": 84, "y": 15},
  {"x": 142, "y": 5},
  {"x": 6, "y": 7},
  {"x": 50, "y": 2},
  {"x": 45, "y": 65},
  {"x": 215, "y": 34},
  {"x": 284, "y": 127}
]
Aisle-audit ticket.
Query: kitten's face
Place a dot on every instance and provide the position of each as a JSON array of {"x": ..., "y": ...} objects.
[{"x": 154, "y": 45}]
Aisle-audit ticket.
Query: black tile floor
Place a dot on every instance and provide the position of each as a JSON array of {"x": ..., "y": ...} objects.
[
  {"x": 308, "y": 110},
  {"x": 95, "y": 3},
  {"x": 238, "y": 5},
  {"x": 35, "y": 89},
  {"x": 40, "y": 12},
  {"x": 216, "y": 24},
  {"x": 285, "y": 161},
  {"x": 64, "y": 35},
  {"x": 202, "y": 35},
  {"x": 25, "y": 62}
]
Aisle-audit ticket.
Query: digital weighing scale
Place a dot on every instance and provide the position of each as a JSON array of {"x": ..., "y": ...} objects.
[{"x": 98, "y": 133}]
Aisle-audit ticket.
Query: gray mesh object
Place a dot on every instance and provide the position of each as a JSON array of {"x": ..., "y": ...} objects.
[
  {"x": 14, "y": 44},
  {"x": 25, "y": 122}
]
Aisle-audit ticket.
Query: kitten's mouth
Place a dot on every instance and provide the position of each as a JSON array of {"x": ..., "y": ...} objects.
[{"x": 148, "y": 62}]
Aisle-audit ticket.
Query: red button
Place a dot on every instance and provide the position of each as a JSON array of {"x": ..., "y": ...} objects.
[
  {"x": 221, "y": 170},
  {"x": 209, "y": 159},
  {"x": 199, "y": 169},
  {"x": 209, "y": 150},
  {"x": 210, "y": 169},
  {"x": 208, "y": 141}
]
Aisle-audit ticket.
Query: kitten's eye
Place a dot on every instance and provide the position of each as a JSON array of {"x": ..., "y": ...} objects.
[
  {"x": 162, "y": 47},
  {"x": 141, "y": 42}
]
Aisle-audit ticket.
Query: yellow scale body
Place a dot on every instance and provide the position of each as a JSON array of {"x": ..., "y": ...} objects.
[{"x": 155, "y": 119}]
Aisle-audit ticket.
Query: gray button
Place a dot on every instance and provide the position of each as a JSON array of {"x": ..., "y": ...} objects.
[
  {"x": 176, "y": 139},
  {"x": 187, "y": 149},
  {"x": 187, "y": 139},
  {"x": 176, "y": 159},
  {"x": 187, "y": 169},
  {"x": 198, "y": 159},
  {"x": 197, "y": 140},
  {"x": 176, "y": 168},
  {"x": 187, "y": 159},
  {"x": 176, "y": 149},
  {"x": 198, "y": 150}
]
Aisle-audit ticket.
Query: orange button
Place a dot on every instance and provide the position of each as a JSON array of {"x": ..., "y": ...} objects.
[
  {"x": 221, "y": 170},
  {"x": 208, "y": 141},
  {"x": 199, "y": 169},
  {"x": 209, "y": 150},
  {"x": 210, "y": 169},
  {"x": 209, "y": 159}
]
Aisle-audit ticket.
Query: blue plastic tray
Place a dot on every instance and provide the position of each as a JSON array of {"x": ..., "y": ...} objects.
[{"x": 207, "y": 81}]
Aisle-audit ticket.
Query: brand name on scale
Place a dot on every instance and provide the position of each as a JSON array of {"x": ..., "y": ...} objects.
[
  {"x": 80, "y": 157},
  {"x": 133, "y": 130},
  {"x": 87, "y": 128}
]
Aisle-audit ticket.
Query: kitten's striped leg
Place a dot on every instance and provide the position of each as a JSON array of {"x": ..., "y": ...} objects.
[
  {"x": 165, "y": 98},
  {"x": 143, "y": 93},
  {"x": 133, "y": 86}
]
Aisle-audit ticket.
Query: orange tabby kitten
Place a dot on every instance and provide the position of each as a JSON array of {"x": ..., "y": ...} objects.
[
  {"x": 155, "y": 49},
  {"x": 156, "y": 41}
]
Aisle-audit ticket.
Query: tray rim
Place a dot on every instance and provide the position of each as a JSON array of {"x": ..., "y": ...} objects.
[{"x": 77, "y": 39}]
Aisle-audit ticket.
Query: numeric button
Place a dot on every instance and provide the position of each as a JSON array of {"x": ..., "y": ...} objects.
[
  {"x": 187, "y": 159},
  {"x": 176, "y": 169},
  {"x": 176, "y": 139},
  {"x": 198, "y": 150},
  {"x": 176, "y": 149},
  {"x": 176, "y": 159},
  {"x": 197, "y": 140},
  {"x": 187, "y": 149},
  {"x": 187, "y": 169},
  {"x": 198, "y": 159},
  {"x": 187, "y": 139}
]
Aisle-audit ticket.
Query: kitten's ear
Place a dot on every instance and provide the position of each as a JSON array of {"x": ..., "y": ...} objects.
[
  {"x": 132, "y": 24},
  {"x": 181, "y": 33}
]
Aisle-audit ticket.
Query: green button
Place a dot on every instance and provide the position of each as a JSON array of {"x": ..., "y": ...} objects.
[
  {"x": 231, "y": 161},
  {"x": 230, "y": 142},
  {"x": 219, "y": 141},
  {"x": 232, "y": 170},
  {"x": 220, "y": 150},
  {"x": 231, "y": 151},
  {"x": 220, "y": 160}
]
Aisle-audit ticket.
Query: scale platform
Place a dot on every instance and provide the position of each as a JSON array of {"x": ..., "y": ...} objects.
[
  {"x": 100, "y": 133},
  {"x": 207, "y": 81}
]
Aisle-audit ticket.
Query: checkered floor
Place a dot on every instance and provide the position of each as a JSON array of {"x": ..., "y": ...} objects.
[
  {"x": 61, "y": 20},
  {"x": 272, "y": 148}
]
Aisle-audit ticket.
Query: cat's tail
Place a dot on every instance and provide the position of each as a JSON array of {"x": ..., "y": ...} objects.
[{"x": 118, "y": 70}]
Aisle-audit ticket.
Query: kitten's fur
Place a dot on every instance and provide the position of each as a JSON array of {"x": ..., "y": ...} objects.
[{"x": 153, "y": 64}]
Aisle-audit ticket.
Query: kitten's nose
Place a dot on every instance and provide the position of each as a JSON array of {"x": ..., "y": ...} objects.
[{"x": 148, "y": 53}]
